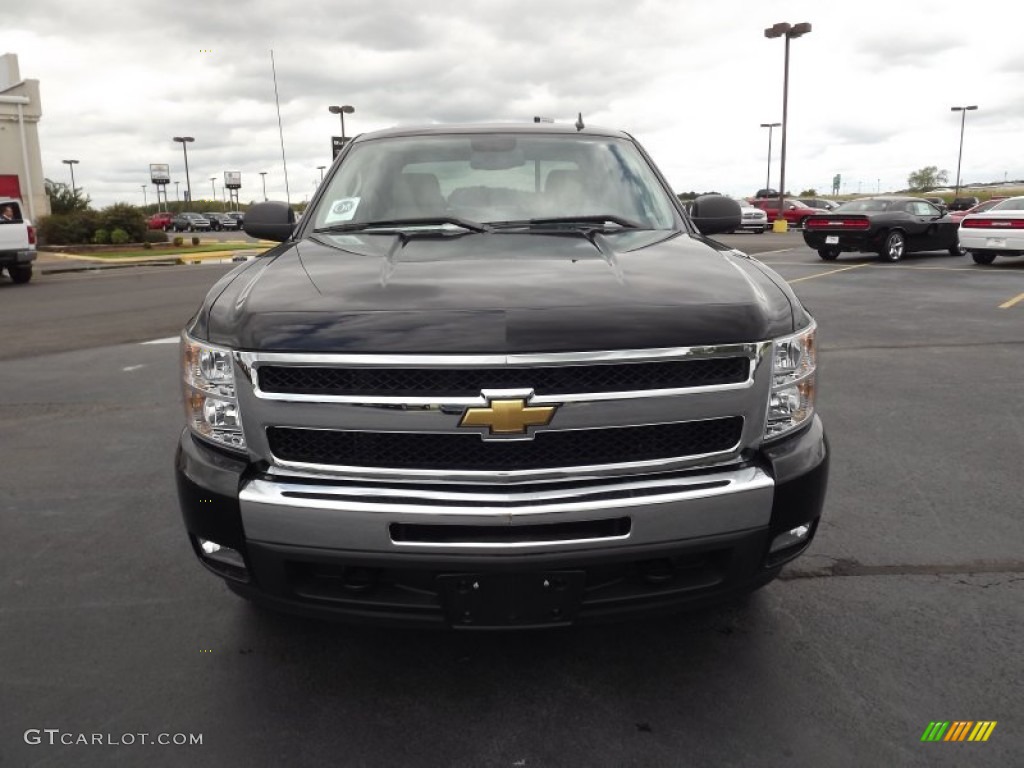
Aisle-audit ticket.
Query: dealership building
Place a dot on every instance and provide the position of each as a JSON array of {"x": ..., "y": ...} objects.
[{"x": 21, "y": 163}]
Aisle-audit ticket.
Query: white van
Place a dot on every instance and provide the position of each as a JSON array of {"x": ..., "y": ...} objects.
[{"x": 17, "y": 241}]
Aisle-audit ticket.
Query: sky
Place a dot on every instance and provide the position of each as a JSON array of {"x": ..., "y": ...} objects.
[{"x": 870, "y": 87}]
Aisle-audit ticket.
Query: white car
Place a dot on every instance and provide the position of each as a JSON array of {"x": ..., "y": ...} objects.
[
  {"x": 999, "y": 231},
  {"x": 754, "y": 219}
]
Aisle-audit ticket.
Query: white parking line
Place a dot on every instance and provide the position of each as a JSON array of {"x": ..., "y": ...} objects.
[{"x": 168, "y": 340}]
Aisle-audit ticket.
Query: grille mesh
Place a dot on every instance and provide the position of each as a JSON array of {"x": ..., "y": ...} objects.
[
  {"x": 467, "y": 382},
  {"x": 407, "y": 450}
]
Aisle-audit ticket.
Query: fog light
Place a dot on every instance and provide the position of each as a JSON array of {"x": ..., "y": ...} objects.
[
  {"x": 214, "y": 552},
  {"x": 790, "y": 538}
]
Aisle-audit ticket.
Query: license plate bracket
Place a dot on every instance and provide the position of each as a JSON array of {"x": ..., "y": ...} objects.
[{"x": 543, "y": 598}]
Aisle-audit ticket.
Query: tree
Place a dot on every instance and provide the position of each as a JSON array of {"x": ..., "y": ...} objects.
[
  {"x": 125, "y": 217},
  {"x": 809, "y": 193},
  {"x": 927, "y": 178},
  {"x": 63, "y": 199}
]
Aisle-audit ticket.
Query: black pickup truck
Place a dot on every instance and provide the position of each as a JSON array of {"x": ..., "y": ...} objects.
[{"x": 498, "y": 377}]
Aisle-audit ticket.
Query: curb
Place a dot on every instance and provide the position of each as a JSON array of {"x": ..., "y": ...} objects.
[
  {"x": 86, "y": 264},
  {"x": 55, "y": 269}
]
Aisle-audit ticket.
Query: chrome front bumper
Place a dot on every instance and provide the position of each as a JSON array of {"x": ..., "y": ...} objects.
[{"x": 364, "y": 517}]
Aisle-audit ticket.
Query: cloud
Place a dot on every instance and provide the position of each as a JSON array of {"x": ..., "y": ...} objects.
[
  {"x": 692, "y": 82},
  {"x": 902, "y": 49}
]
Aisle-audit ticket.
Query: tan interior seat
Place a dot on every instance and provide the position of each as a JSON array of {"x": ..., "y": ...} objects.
[{"x": 417, "y": 195}]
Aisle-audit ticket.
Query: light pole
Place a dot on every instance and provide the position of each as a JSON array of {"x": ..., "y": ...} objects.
[
  {"x": 213, "y": 186},
  {"x": 770, "y": 127},
  {"x": 144, "y": 200},
  {"x": 71, "y": 165},
  {"x": 263, "y": 174},
  {"x": 790, "y": 32},
  {"x": 321, "y": 169},
  {"x": 963, "y": 116},
  {"x": 188, "y": 181},
  {"x": 341, "y": 112},
  {"x": 177, "y": 196}
]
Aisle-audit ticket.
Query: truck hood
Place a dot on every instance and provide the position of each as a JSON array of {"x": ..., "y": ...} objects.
[{"x": 501, "y": 293}]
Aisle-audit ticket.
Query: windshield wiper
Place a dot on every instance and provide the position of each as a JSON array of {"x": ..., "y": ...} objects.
[
  {"x": 589, "y": 222},
  {"x": 427, "y": 221}
]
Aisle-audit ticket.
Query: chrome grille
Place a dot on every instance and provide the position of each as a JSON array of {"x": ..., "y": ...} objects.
[
  {"x": 553, "y": 449},
  {"x": 398, "y": 416}
]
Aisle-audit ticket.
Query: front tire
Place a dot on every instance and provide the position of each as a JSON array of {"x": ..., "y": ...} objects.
[
  {"x": 20, "y": 273},
  {"x": 829, "y": 254},
  {"x": 983, "y": 257},
  {"x": 894, "y": 247}
]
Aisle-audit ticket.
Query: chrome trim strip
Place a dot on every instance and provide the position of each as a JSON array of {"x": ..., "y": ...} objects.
[
  {"x": 335, "y": 469},
  {"x": 466, "y": 402},
  {"x": 259, "y": 491},
  {"x": 480, "y": 361},
  {"x": 429, "y": 494},
  {"x": 504, "y": 479},
  {"x": 505, "y": 545}
]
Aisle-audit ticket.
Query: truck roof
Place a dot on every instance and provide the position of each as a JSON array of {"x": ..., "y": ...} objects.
[{"x": 440, "y": 129}]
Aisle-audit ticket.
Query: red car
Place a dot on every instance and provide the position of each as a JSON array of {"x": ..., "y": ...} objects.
[
  {"x": 958, "y": 216},
  {"x": 795, "y": 212},
  {"x": 160, "y": 221}
]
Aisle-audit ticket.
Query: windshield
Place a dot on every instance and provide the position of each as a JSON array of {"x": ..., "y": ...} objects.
[
  {"x": 492, "y": 178},
  {"x": 1013, "y": 204},
  {"x": 855, "y": 206}
]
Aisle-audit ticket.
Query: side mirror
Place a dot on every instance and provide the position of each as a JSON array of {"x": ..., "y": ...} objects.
[
  {"x": 270, "y": 221},
  {"x": 712, "y": 214}
]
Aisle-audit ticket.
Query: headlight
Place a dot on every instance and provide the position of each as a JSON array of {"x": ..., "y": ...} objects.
[
  {"x": 794, "y": 367},
  {"x": 211, "y": 408}
]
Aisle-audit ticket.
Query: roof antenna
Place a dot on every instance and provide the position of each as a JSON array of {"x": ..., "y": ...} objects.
[{"x": 579, "y": 122}]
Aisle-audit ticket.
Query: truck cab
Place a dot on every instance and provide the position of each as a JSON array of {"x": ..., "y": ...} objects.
[{"x": 17, "y": 241}]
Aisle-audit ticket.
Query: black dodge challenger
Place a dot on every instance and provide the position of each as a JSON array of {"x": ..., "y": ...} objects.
[{"x": 888, "y": 226}]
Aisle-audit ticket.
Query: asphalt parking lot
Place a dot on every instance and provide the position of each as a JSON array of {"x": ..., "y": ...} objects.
[{"x": 907, "y": 609}]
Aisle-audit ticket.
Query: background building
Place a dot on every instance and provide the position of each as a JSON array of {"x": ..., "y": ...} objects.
[{"x": 21, "y": 164}]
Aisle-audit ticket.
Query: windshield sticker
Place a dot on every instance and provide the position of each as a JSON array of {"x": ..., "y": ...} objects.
[{"x": 342, "y": 210}]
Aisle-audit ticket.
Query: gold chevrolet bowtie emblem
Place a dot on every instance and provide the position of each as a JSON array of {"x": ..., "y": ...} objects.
[{"x": 507, "y": 417}]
